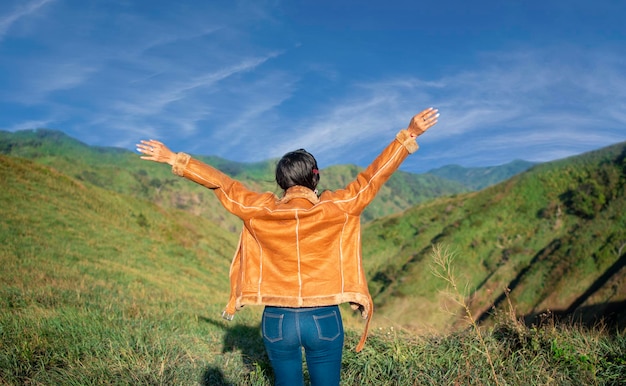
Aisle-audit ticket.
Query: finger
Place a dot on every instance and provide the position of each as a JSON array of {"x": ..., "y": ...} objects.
[
  {"x": 151, "y": 143},
  {"x": 149, "y": 151},
  {"x": 143, "y": 148},
  {"x": 424, "y": 113},
  {"x": 434, "y": 115}
]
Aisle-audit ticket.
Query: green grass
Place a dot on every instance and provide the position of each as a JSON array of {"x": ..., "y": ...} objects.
[
  {"x": 117, "y": 334},
  {"x": 100, "y": 341},
  {"x": 101, "y": 287},
  {"x": 550, "y": 354}
]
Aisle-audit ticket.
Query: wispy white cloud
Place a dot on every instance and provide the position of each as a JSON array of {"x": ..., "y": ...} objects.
[
  {"x": 541, "y": 92},
  {"x": 204, "y": 79},
  {"x": 49, "y": 76},
  {"x": 529, "y": 105},
  {"x": 20, "y": 12},
  {"x": 165, "y": 76},
  {"x": 155, "y": 97},
  {"x": 343, "y": 127},
  {"x": 29, "y": 125}
]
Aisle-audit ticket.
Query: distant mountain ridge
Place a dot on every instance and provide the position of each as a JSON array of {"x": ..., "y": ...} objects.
[
  {"x": 124, "y": 172},
  {"x": 478, "y": 178}
]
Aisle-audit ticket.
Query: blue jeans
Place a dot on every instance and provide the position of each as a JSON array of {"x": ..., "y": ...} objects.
[{"x": 319, "y": 330}]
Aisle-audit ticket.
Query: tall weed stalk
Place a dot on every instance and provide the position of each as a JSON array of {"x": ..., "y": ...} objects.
[{"x": 442, "y": 267}]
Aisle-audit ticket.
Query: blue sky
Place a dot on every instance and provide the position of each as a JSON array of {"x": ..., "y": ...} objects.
[{"x": 251, "y": 80}]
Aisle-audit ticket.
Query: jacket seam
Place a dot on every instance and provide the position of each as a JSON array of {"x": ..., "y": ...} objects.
[
  {"x": 260, "y": 281},
  {"x": 299, "y": 258},
  {"x": 359, "y": 258},
  {"x": 343, "y": 228}
]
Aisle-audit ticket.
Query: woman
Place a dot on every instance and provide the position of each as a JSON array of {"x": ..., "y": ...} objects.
[{"x": 300, "y": 254}]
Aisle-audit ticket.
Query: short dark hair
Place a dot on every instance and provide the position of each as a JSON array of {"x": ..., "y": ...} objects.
[{"x": 297, "y": 167}]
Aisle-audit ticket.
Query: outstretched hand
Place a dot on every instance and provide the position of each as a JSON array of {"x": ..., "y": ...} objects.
[
  {"x": 156, "y": 151},
  {"x": 423, "y": 121}
]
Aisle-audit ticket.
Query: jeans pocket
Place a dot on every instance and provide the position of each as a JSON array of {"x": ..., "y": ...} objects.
[
  {"x": 328, "y": 326},
  {"x": 273, "y": 327}
]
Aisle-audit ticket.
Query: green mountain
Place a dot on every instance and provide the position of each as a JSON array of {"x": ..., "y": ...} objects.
[
  {"x": 550, "y": 240},
  {"x": 62, "y": 228},
  {"x": 123, "y": 172},
  {"x": 481, "y": 177},
  {"x": 108, "y": 276}
]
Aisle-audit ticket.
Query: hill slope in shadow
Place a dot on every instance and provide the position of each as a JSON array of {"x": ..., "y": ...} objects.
[{"x": 551, "y": 238}]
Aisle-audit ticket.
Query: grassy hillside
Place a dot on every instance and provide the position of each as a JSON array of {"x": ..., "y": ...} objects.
[
  {"x": 552, "y": 238},
  {"x": 119, "y": 171},
  {"x": 123, "y": 172},
  {"x": 87, "y": 274},
  {"x": 101, "y": 287}
]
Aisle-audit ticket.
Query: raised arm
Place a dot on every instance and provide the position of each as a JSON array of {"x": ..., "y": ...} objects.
[
  {"x": 184, "y": 165},
  {"x": 233, "y": 195},
  {"x": 360, "y": 192}
]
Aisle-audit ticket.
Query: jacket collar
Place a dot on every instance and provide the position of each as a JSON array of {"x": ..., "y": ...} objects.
[{"x": 299, "y": 192}]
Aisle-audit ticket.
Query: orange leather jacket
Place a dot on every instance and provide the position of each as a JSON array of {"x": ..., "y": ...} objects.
[{"x": 300, "y": 250}]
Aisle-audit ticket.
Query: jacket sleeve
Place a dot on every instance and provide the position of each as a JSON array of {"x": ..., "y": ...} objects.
[
  {"x": 233, "y": 195},
  {"x": 360, "y": 192}
]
